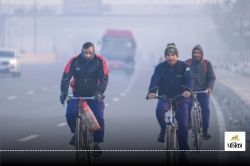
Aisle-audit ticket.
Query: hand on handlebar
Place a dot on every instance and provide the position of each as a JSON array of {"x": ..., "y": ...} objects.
[
  {"x": 63, "y": 97},
  {"x": 186, "y": 94},
  {"x": 209, "y": 91},
  {"x": 99, "y": 97},
  {"x": 151, "y": 95}
]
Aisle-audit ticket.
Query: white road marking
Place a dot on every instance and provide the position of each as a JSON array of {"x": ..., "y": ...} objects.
[
  {"x": 106, "y": 104},
  {"x": 127, "y": 90},
  {"x": 132, "y": 80},
  {"x": 123, "y": 94},
  {"x": 115, "y": 99},
  {"x": 61, "y": 124},
  {"x": 28, "y": 138},
  {"x": 30, "y": 92},
  {"x": 45, "y": 88},
  {"x": 12, "y": 97}
]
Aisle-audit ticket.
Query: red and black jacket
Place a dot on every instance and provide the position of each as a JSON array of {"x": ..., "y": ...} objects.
[{"x": 85, "y": 77}]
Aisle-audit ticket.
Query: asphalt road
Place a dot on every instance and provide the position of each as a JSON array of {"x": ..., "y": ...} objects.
[{"x": 33, "y": 119}]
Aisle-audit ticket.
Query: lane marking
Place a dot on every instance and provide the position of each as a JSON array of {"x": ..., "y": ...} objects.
[
  {"x": 123, "y": 94},
  {"x": 12, "y": 97},
  {"x": 116, "y": 99},
  {"x": 127, "y": 90},
  {"x": 61, "y": 124},
  {"x": 45, "y": 88},
  {"x": 133, "y": 79},
  {"x": 31, "y": 92},
  {"x": 106, "y": 105},
  {"x": 28, "y": 138}
]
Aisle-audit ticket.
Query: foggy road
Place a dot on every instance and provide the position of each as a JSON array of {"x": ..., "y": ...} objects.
[{"x": 32, "y": 118}]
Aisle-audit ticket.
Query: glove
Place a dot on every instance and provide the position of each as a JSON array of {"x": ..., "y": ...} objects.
[
  {"x": 99, "y": 97},
  {"x": 209, "y": 91},
  {"x": 150, "y": 95},
  {"x": 63, "y": 97}
]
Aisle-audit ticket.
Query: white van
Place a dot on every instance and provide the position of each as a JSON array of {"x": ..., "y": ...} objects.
[{"x": 9, "y": 62}]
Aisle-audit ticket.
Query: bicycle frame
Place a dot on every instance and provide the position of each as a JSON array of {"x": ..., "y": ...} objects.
[
  {"x": 84, "y": 137},
  {"x": 171, "y": 127},
  {"x": 171, "y": 144},
  {"x": 196, "y": 119}
]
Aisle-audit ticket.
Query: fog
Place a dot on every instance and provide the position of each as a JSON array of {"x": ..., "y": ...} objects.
[{"x": 46, "y": 36}]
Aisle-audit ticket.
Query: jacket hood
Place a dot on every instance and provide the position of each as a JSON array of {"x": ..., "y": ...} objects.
[{"x": 199, "y": 48}]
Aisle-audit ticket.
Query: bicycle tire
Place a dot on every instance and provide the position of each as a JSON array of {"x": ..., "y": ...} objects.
[
  {"x": 171, "y": 144},
  {"x": 87, "y": 144},
  {"x": 174, "y": 147},
  {"x": 197, "y": 138},
  {"x": 79, "y": 142}
]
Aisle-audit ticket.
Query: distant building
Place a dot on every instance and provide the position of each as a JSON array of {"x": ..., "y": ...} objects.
[
  {"x": 82, "y": 7},
  {"x": 26, "y": 7}
]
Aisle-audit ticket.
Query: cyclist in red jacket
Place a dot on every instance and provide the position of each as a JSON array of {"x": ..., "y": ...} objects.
[{"x": 87, "y": 74}]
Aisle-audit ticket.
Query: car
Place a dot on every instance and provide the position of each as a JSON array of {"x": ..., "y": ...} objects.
[
  {"x": 119, "y": 48},
  {"x": 10, "y": 62}
]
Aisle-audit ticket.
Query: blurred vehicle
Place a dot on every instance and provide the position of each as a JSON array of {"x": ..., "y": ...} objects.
[
  {"x": 119, "y": 48},
  {"x": 9, "y": 62}
]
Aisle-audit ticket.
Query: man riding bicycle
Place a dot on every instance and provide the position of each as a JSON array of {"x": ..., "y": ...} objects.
[
  {"x": 87, "y": 75},
  {"x": 168, "y": 79},
  {"x": 203, "y": 78}
]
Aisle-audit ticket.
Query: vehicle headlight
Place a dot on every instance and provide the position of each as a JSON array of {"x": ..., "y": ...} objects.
[{"x": 13, "y": 61}]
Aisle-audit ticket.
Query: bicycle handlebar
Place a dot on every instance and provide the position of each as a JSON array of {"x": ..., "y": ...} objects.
[
  {"x": 198, "y": 92},
  {"x": 194, "y": 92},
  {"x": 164, "y": 97},
  {"x": 83, "y": 98}
]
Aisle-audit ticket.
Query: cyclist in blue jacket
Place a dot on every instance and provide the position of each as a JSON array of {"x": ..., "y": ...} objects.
[{"x": 168, "y": 79}]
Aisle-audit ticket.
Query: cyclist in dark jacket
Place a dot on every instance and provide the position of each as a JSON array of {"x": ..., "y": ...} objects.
[
  {"x": 203, "y": 78},
  {"x": 87, "y": 75},
  {"x": 168, "y": 79}
]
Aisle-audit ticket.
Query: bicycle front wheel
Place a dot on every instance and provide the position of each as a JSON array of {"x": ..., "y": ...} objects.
[
  {"x": 196, "y": 130},
  {"x": 88, "y": 143},
  {"x": 79, "y": 142},
  {"x": 171, "y": 146}
]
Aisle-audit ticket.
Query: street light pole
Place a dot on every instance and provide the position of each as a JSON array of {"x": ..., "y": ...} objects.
[{"x": 2, "y": 27}]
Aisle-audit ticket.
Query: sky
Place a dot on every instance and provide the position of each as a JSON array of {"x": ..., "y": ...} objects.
[
  {"x": 155, "y": 1},
  {"x": 113, "y": 2}
]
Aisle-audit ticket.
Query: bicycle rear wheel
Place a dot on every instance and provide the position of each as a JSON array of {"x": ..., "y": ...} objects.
[{"x": 196, "y": 130}]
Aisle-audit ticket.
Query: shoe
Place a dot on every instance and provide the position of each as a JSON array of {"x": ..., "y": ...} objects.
[
  {"x": 161, "y": 137},
  {"x": 73, "y": 140},
  {"x": 96, "y": 151},
  {"x": 206, "y": 136}
]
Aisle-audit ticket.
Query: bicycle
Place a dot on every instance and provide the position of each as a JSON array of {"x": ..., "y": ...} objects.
[
  {"x": 196, "y": 119},
  {"x": 171, "y": 144},
  {"x": 83, "y": 134}
]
